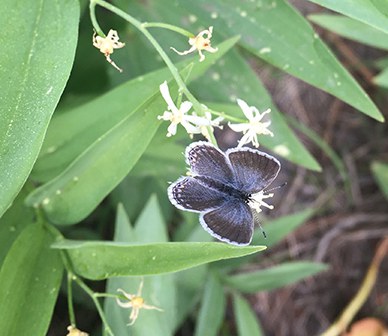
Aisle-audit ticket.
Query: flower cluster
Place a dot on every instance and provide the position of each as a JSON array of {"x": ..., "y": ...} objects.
[
  {"x": 192, "y": 123},
  {"x": 107, "y": 45}
]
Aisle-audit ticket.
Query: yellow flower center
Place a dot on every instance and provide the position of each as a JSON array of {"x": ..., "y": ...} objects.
[
  {"x": 177, "y": 118},
  {"x": 137, "y": 302},
  {"x": 201, "y": 42}
]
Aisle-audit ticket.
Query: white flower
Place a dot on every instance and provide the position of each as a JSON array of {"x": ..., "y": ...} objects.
[
  {"x": 209, "y": 124},
  {"x": 254, "y": 126},
  {"x": 192, "y": 123},
  {"x": 108, "y": 44},
  {"x": 136, "y": 302},
  {"x": 257, "y": 201},
  {"x": 73, "y": 331},
  {"x": 199, "y": 43}
]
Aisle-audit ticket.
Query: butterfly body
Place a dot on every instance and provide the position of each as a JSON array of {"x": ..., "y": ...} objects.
[{"x": 221, "y": 186}]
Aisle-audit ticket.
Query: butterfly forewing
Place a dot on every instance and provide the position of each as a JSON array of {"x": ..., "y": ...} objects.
[
  {"x": 204, "y": 159},
  {"x": 232, "y": 222},
  {"x": 190, "y": 194},
  {"x": 253, "y": 170}
]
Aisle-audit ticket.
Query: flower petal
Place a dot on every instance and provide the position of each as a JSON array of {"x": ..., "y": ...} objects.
[
  {"x": 191, "y": 129},
  {"x": 171, "y": 130},
  {"x": 167, "y": 97},
  {"x": 167, "y": 116},
  {"x": 239, "y": 127},
  {"x": 127, "y": 295},
  {"x": 245, "y": 108},
  {"x": 182, "y": 53},
  {"x": 211, "y": 49},
  {"x": 145, "y": 306},
  {"x": 199, "y": 121},
  {"x": 247, "y": 138},
  {"x": 124, "y": 304},
  {"x": 185, "y": 107},
  {"x": 201, "y": 55}
]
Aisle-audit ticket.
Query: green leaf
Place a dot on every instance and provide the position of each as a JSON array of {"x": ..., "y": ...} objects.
[
  {"x": 13, "y": 222},
  {"x": 164, "y": 151},
  {"x": 352, "y": 29},
  {"x": 278, "y": 34},
  {"x": 274, "y": 277},
  {"x": 374, "y": 13},
  {"x": 381, "y": 63},
  {"x": 100, "y": 260},
  {"x": 150, "y": 226},
  {"x": 279, "y": 228},
  {"x": 212, "y": 309},
  {"x": 123, "y": 228},
  {"x": 275, "y": 229},
  {"x": 322, "y": 144},
  {"x": 75, "y": 193},
  {"x": 127, "y": 192},
  {"x": 380, "y": 172},
  {"x": 189, "y": 286},
  {"x": 157, "y": 290},
  {"x": 73, "y": 132},
  {"x": 233, "y": 78},
  {"x": 40, "y": 39},
  {"x": 117, "y": 317},
  {"x": 191, "y": 281},
  {"x": 246, "y": 320},
  {"x": 29, "y": 282},
  {"x": 382, "y": 78}
]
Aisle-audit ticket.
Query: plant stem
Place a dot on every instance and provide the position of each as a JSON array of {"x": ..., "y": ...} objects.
[
  {"x": 70, "y": 298},
  {"x": 94, "y": 297},
  {"x": 167, "y": 26},
  {"x": 141, "y": 27},
  {"x": 71, "y": 276},
  {"x": 96, "y": 26},
  {"x": 227, "y": 116},
  {"x": 109, "y": 295}
]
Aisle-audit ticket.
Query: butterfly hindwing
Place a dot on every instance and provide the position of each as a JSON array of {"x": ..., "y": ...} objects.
[{"x": 232, "y": 222}]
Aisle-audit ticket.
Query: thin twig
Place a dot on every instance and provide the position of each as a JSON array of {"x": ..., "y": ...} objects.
[{"x": 343, "y": 225}]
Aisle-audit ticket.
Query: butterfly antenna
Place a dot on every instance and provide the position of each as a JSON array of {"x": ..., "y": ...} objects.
[
  {"x": 262, "y": 231},
  {"x": 258, "y": 222},
  {"x": 278, "y": 187}
]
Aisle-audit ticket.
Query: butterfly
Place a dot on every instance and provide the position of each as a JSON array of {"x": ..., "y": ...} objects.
[{"x": 221, "y": 187}]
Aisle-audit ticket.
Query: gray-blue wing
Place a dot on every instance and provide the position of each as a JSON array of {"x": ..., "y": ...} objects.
[
  {"x": 253, "y": 170},
  {"x": 190, "y": 194},
  {"x": 232, "y": 222}
]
